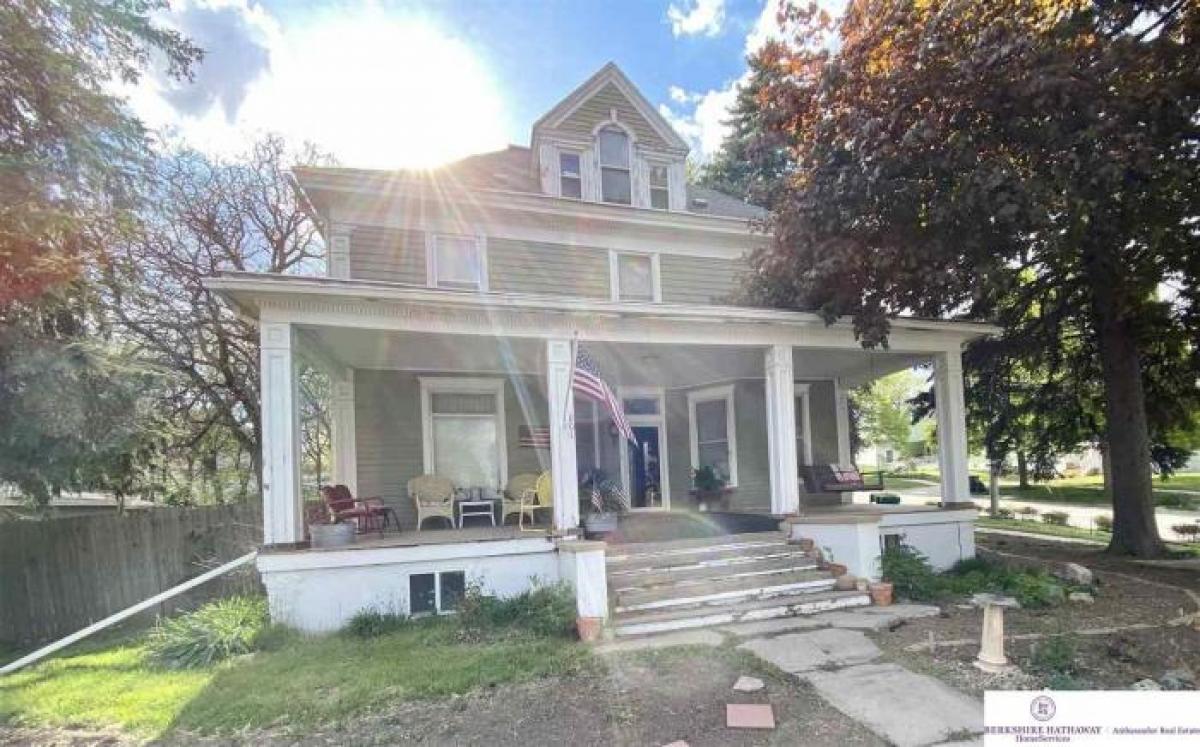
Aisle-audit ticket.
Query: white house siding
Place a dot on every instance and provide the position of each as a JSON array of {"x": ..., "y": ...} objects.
[
  {"x": 387, "y": 416},
  {"x": 387, "y": 254},
  {"x": 555, "y": 269},
  {"x": 699, "y": 279}
]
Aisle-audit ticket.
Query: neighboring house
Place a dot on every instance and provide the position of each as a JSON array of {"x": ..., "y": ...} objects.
[{"x": 447, "y": 317}]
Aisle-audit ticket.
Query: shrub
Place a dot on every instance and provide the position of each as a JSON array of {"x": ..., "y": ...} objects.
[
  {"x": 1103, "y": 523},
  {"x": 371, "y": 623},
  {"x": 1191, "y": 531},
  {"x": 1027, "y": 511},
  {"x": 213, "y": 633},
  {"x": 1055, "y": 655},
  {"x": 543, "y": 610},
  {"x": 1003, "y": 513},
  {"x": 1057, "y": 518},
  {"x": 910, "y": 574}
]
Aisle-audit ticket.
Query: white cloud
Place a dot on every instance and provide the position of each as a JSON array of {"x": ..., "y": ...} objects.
[
  {"x": 694, "y": 17},
  {"x": 701, "y": 117},
  {"x": 376, "y": 90}
]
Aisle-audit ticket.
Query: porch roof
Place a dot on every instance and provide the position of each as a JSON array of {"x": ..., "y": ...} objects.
[{"x": 383, "y": 305}]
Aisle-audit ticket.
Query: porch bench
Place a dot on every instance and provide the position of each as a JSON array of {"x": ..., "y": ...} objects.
[{"x": 834, "y": 478}]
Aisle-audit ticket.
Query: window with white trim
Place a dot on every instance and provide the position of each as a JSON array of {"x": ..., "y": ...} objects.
[
  {"x": 660, "y": 190},
  {"x": 712, "y": 431},
  {"x": 463, "y": 430},
  {"x": 634, "y": 277},
  {"x": 435, "y": 593},
  {"x": 570, "y": 176},
  {"x": 457, "y": 262},
  {"x": 803, "y": 427},
  {"x": 615, "y": 181}
]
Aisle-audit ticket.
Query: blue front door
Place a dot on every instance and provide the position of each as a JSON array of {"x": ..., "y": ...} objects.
[{"x": 645, "y": 475}]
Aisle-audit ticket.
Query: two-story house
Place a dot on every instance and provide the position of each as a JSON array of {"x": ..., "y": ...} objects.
[{"x": 452, "y": 304}]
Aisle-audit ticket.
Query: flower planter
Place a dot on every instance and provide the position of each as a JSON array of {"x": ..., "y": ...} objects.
[
  {"x": 597, "y": 525},
  {"x": 332, "y": 535},
  {"x": 881, "y": 593},
  {"x": 589, "y": 629}
]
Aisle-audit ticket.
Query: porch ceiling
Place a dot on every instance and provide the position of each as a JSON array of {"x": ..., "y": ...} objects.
[{"x": 624, "y": 364}]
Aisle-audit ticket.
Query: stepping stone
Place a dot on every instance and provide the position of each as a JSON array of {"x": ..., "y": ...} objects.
[
  {"x": 677, "y": 743},
  {"x": 778, "y": 625},
  {"x": 746, "y": 684},
  {"x": 663, "y": 640},
  {"x": 747, "y": 716},
  {"x": 902, "y": 707},
  {"x": 803, "y": 652}
]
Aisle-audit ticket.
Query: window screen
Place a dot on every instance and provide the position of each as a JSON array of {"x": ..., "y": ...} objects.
[{"x": 635, "y": 277}]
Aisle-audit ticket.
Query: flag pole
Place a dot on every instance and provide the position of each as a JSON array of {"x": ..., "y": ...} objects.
[{"x": 568, "y": 410}]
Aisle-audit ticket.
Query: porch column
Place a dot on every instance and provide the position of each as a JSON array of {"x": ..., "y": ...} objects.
[
  {"x": 560, "y": 405},
  {"x": 841, "y": 403},
  {"x": 282, "y": 520},
  {"x": 781, "y": 430},
  {"x": 341, "y": 417},
  {"x": 952, "y": 426}
]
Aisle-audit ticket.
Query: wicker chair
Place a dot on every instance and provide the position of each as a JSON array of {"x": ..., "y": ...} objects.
[
  {"x": 432, "y": 496},
  {"x": 517, "y": 486},
  {"x": 541, "y": 496}
]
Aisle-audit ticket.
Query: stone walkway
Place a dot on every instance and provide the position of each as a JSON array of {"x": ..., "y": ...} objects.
[{"x": 831, "y": 653}]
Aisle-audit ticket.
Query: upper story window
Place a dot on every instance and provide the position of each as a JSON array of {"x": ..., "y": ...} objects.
[
  {"x": 570, "y": 177},
  {"x": 660, "y": 191},
  {"x": 456, "y": 262},
  {"x": 613, "y": 146},
  {"x": 634, "y": 277}
]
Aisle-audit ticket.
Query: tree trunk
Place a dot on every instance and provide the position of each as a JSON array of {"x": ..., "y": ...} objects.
[
  {"x": 1135, "y": 531},
  {"x": 994, "y": 486},
  {"x": 1022, "y": 470}
]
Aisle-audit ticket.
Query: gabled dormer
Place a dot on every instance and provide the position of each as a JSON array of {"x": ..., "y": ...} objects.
[{"x": 606, "y": 143}]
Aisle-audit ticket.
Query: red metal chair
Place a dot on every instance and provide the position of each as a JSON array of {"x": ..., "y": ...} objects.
[{"x": 369, "y": 513}]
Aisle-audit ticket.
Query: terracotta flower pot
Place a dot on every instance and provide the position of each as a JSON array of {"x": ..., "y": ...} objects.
[
  {"x": 589, "y": 628},
  {"x": 836, "y": 569},
  {"x": 881, "y": 593}
]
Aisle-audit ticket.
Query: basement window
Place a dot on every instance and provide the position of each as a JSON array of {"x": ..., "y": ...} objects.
[{"x": 435, "y": 593}]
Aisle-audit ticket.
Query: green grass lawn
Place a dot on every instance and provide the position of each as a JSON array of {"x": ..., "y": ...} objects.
[
  {"x": 1083, "y": 490},
  {"x": 1053, "y": 530},
  {"x": 296, "y": 680},
  {"x": 903, "y": 483}
]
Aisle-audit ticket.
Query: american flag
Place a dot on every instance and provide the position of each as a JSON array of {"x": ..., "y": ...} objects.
[{"x": 585, "y": 380}]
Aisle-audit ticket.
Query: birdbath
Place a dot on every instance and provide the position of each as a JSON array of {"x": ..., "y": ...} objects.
[{"x": 991, "y": 645}]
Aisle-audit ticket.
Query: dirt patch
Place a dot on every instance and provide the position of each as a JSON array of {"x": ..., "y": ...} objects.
[
  {"x": 1128, "y": 595},
  {"x": 645, "y": 698},
  {"x": 49, "y": 737}
]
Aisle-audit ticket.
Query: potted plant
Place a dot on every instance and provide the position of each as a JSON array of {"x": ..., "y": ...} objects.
[
  {"x": 602, "y": 500},
  {"x": 709, "y": 488},
  {"x": 325, "y": 530}
]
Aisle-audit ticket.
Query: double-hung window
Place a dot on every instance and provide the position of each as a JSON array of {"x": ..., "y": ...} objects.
[
  {"x": 634, "y": 277},
  {"x": 570, "y": 176},
  {"x": 615, "y": 182},
  {"x": 456, "y": 262},
  {"x": 463, "y": 430},
  {"x": 660, "y": 190},
  {"x": 712, "y": 431}
]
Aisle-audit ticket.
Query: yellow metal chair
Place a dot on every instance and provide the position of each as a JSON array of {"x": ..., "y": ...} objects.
[
  {"x": 432, "y": 496},
  {"x": 540, "y": 496},
  {"x": 510, "y": 502}
]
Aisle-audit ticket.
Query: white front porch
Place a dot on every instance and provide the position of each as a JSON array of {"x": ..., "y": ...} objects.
[{"x": 758, "y": 393}]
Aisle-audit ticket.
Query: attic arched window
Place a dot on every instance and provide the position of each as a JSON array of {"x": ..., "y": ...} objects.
[{"x": 613, "y": 147}]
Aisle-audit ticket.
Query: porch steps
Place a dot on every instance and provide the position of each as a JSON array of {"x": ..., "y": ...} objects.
[{"x": 656, "y": 587}]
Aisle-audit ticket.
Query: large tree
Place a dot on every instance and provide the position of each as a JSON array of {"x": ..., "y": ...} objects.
[
  {"x": 955, "y": 156},
  {"x": 71, "y": 160},
  {"x": 209, "y": 215}
]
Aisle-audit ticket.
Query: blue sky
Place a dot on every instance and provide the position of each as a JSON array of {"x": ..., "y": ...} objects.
[{"x": 395, "y": 84}]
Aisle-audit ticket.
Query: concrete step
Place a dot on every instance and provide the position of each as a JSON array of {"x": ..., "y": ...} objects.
[
  {"x": 661, "y": 621},
  {"x": 692, "y": 574},
  {"x": 633, "y": 549},
  {"x": 662, "y": 556},
  {"x": 724, "y": 591}
]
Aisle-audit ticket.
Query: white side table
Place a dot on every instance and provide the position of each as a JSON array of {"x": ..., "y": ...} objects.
[{"x": 476, "y": 508}]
